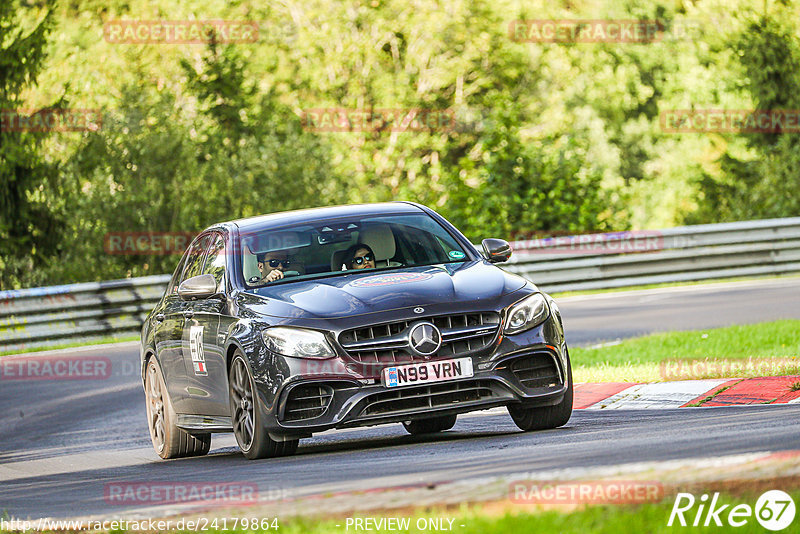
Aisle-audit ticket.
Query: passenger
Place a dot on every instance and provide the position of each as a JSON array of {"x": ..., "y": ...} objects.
[
  {"x": 359, "y": 256},
  {"x": 272, "y": 266}
]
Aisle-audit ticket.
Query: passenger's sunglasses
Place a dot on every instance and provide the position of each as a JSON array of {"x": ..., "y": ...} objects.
[
  {"x": 275, "y": 263},
  {"x": 358, "y": 260}
]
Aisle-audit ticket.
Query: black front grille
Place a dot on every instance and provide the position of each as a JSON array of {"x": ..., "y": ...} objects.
[
  {"x": 536, "y": 370},
  {"x": 307, "y": 402},
  {"x": 423, "y": 397},
  {"x": 462, "y": 334}
]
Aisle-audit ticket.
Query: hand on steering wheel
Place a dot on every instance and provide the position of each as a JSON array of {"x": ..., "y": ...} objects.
[{"x": 275, "y": 274}]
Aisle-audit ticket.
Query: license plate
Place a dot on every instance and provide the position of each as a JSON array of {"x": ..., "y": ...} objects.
[{"x": 427, "y": 372}]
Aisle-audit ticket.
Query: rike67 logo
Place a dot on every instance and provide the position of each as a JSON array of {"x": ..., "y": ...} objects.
[{"x": 774, "y": 510}]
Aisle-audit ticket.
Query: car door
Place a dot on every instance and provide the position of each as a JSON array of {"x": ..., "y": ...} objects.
[
  {"x": 167, "y": 324},
  {"x": 204, "y": 353},
  {"x": 173, "y": 323}
]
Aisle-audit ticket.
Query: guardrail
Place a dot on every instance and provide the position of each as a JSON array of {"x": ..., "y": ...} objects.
[
  {"x": 47, "y": 316},
  {"x": 688, "y": 253}
]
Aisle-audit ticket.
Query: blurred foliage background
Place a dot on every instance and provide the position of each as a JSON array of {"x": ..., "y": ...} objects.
[{"x": 548, "y": 137}]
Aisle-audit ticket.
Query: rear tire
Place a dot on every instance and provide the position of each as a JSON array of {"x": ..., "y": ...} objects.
[
  {"x": 545, "y": 417},
  {"x": 248, "y": 426},
  {"x": 431, "y": 425},
  {"x": 169, "y": 441}
]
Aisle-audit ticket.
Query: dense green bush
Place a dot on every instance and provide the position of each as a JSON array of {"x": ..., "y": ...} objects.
[
  {"x": 765, "y": 181},
  {"x": 545, "y": 137}
]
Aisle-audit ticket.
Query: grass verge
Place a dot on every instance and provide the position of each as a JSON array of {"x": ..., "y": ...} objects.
[
  {"x": 507, "y": 518},
  {"x": 764, "y": 349},
  {"x": 100, "y": 341},
  {"x": 599, "y": 519}
]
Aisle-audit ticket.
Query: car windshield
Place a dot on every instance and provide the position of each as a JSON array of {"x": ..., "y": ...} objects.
[{"x": 326, "y": 248}]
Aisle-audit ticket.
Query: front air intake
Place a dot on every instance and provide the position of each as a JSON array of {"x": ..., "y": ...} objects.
[
  {"x": 307, "y": 402},
  {"x": 537, "y": 370}
]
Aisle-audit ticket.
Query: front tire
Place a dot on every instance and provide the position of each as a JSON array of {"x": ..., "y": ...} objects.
[
  {"x": 545, "y": 417},
  {"x": 169, "y": 441},
  {"x": 248, "y": 427},
  {"x": 430, "y": 425}
]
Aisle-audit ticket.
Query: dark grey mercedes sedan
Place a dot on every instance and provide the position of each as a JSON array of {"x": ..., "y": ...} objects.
[{"x": 279, "y": 326}]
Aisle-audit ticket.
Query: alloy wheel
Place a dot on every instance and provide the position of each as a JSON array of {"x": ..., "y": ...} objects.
[
  {"x": 242, "y": 400},
  {"x": 156, "y": 408}
]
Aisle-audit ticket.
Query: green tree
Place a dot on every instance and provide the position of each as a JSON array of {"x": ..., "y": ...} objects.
[
  {"x": 764, "y": 183},
  {"x": 547, "y": 137},
  {"x": 181, "y": 158},
  {"x": 30, "y": 218}
]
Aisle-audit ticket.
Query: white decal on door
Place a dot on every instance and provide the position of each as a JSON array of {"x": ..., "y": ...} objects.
[{"x": 196, "y": 349}]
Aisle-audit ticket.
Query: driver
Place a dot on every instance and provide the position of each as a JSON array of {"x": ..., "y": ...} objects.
[{"x": 272, "y": 266}]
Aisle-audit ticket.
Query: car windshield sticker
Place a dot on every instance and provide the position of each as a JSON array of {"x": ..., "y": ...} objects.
[
  {"x": 456, "y": 254},
  {"x": 196, "y": 348},
  {"x": 391, "y": 279}
]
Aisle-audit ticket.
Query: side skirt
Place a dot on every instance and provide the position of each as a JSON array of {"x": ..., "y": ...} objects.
[{"x": 204, "y": 423}]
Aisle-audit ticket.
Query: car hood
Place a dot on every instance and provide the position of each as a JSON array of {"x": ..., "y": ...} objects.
[{"x": 374, "y": 291}]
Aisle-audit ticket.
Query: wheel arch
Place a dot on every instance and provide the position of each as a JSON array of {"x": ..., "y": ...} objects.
[
  {"x": 239, "y": 334},
  {"x": 233, "y": 345},
  {"x": 148, "y": 353}
]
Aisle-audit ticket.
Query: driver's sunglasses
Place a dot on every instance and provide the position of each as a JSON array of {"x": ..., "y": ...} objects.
[
  {"x": 275, "y": 263},
  {"x": 358, "y": 260}
]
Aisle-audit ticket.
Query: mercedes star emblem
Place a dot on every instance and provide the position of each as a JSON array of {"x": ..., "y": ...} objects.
[{"x": 424, "y": 339}]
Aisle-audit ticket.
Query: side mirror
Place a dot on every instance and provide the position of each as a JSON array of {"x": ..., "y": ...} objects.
[
  {"x": 496, "y": 250},
  {"x": 198, "y": 287}
]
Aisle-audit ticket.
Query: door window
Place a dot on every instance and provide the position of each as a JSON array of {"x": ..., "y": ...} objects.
[
  {"x": 194, "y": 263},
  {"x": 215, "y": 260}
]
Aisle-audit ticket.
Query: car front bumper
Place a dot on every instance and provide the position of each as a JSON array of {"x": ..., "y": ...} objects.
[
  {"x": 529, "y": 368},
  {"x": 352, "y": 405}
]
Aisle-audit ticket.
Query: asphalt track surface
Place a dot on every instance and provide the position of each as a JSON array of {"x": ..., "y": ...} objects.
[
  {"x": 606, "y": 317},
  {"x": 62, "y": 442}
]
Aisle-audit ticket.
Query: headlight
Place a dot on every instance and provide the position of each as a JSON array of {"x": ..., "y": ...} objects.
[
  {"x": 526, "y": 314},
  {"x": 297, "y": 342}
]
